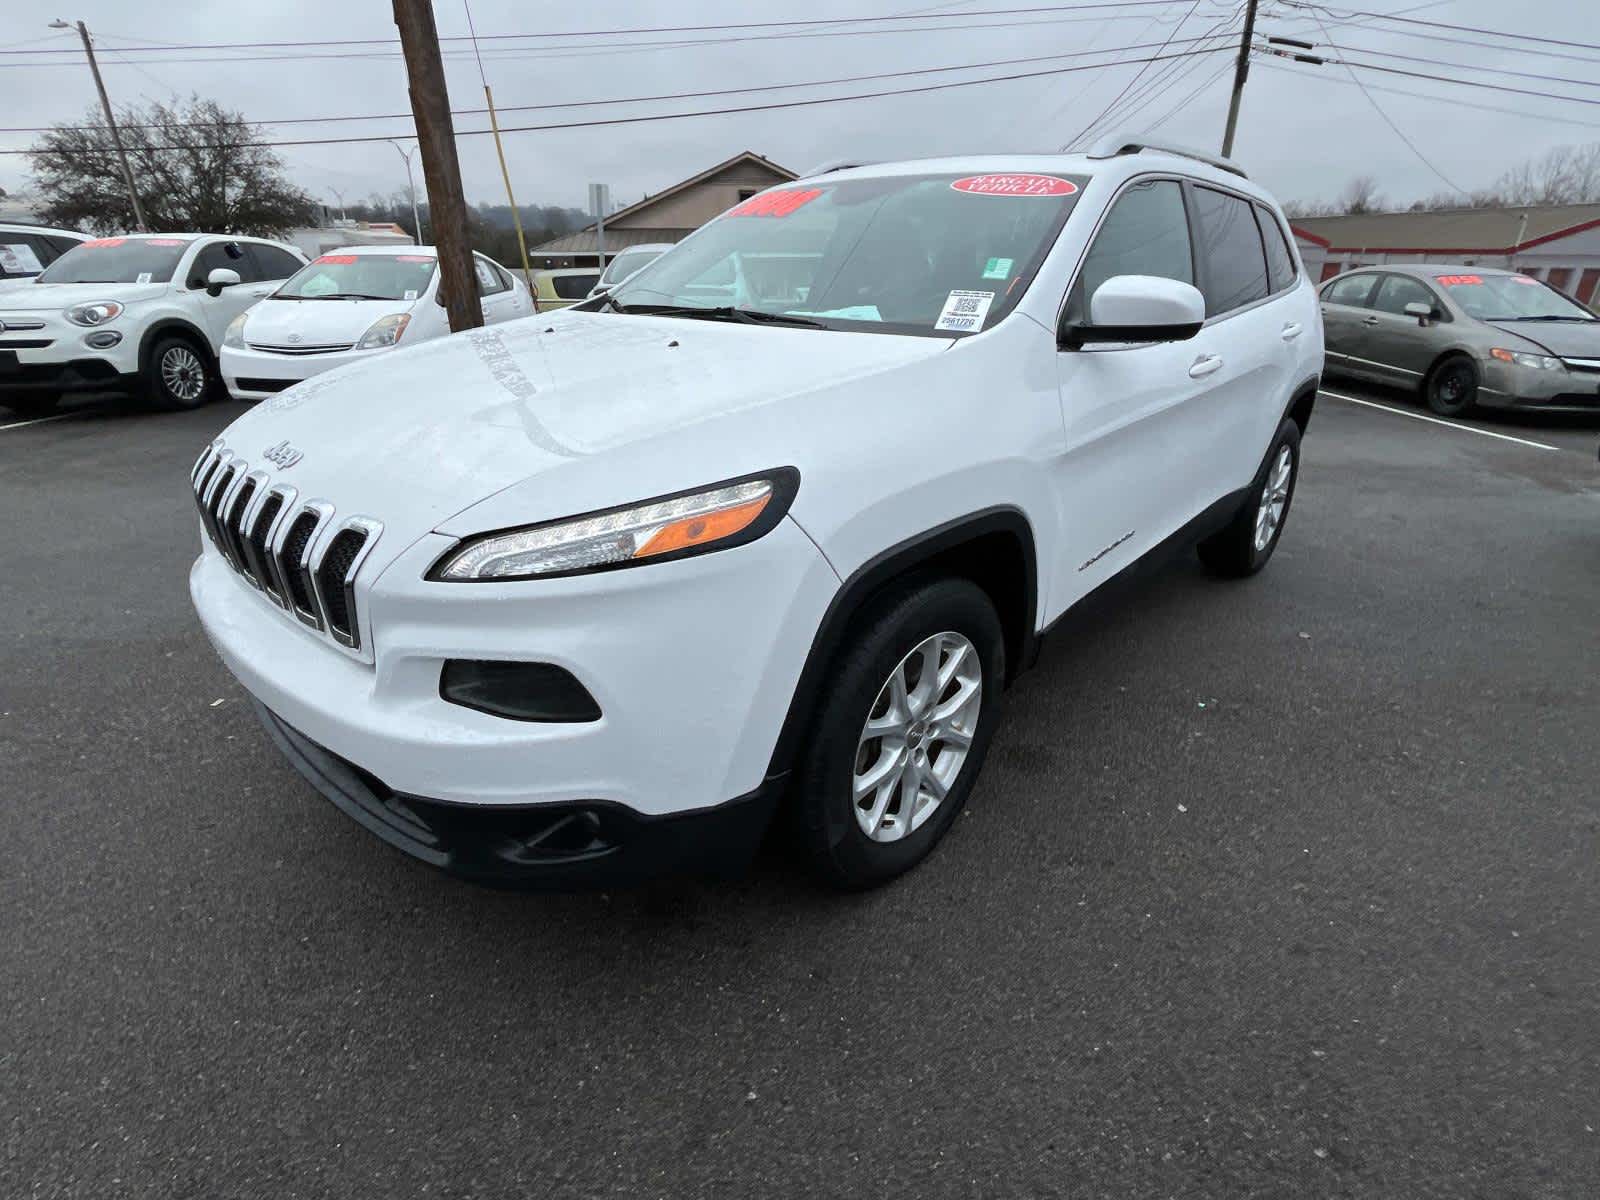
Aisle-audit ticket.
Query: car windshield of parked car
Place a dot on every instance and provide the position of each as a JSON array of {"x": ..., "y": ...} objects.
[
  {"x": 117, "y": 260},
  {"x": 1511, "y": 298},
  {"x": 361, "y": 277},
  {"x": 627, "y": 263},
  {"x": 933, "y": 255}
]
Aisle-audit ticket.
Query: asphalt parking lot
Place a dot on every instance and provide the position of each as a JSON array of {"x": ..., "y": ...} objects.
[{"x": 1281, "y": 888}]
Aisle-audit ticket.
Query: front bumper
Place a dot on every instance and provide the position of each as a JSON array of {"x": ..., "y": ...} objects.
[
  {"x": 1508, "y": 386},
  {"x": 258, "y": 374},
  {"x": 78, "y": 375},
  {"x": 540, "y": 846}
]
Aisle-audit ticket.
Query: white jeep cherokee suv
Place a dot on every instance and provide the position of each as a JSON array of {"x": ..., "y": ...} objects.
[
  {"x": 773, "y": 524},
  {"x": 142, "y": 314}
]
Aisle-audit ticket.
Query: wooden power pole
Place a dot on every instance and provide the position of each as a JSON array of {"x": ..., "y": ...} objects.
[
  {"x": 1241, "y": 72},
  {"x": 441, "y": 171},
  {"x": 111, "y": 122}
]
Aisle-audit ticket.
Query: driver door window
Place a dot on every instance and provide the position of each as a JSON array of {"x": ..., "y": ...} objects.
[
  {"x": 220, "y": 254},
  {"x": 1145, "y": 233}
]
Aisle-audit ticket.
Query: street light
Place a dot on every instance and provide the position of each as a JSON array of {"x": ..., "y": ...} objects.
[
  {"x": 111, "y": 120},
  {"x": 411, "y": 187}
]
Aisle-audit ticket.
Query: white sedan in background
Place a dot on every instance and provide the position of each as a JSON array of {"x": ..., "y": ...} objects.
[
  {"x": 628, "y": 262},
  {"x": 347, "y": 306}
]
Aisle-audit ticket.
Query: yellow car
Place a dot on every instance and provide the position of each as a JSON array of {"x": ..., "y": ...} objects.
[{"x": 559, "y": 288}]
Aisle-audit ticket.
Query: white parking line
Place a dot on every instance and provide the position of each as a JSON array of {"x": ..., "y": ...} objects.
[
  {"x": 1400, "y": 412},
  {"x": 38, "y": 421}
]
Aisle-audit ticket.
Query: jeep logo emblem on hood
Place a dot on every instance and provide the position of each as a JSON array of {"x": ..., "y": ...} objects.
[{"x": 282, "y": 455}]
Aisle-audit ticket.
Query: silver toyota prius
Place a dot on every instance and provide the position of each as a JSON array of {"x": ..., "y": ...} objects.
[{"x": 1464, "y": 337}]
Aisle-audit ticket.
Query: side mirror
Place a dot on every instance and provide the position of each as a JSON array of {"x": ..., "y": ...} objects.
[
  {"x": 1137, "y": 308},
  {"x": 220, "y": 277},
  {"x": 1422, "y": 312}
]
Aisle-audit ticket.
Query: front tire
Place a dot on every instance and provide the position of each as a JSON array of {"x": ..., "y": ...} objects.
[
  {"x": 1452, "y": 387},
  {"x": 1245, "y": 544},
  {"x": 180, "y": 375},
  {"x": 908, "y": 712}
]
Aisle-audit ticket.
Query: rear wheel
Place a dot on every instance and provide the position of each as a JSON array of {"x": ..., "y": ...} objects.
[
  {"x": 909, "y": 711},
  {"x": 180, "y": 374},
  {"x": 1452, "y": 387},
  {"x": 39, "y": 404},
  {"x": 1245, "y": 544}
]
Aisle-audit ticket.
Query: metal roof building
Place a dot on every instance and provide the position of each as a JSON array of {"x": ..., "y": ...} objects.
[{"x": 1559, "y": 243}]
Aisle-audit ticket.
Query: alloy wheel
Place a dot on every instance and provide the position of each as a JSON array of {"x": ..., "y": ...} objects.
[
  {"x": 1274, "y": 498},
  {"x": 183, "y": 374},
  {"x": 917, "y": 736}
]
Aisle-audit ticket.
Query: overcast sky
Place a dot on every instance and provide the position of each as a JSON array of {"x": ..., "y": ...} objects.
[{"x": 1304, "y": 130}]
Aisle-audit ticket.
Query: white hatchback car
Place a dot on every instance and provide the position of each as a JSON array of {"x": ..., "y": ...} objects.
[
  {"x": 347, "y": 306},
  {"x": 628, "y": 262},
  {"x": 26, "y": 250},
  {"x": 593, "y": 595},
  {"x": 142, "y": 314}
]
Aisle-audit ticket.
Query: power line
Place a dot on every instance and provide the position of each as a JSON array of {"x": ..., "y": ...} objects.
[
  {"x": 1189, "y": 99},
  {"x": 1439, "y": 62},
  {"x": 1281, "y": 68},
  {"x": 767, "y": 87},
  {"x": 1136, "y": 75},
  {"x": 1499, "y": 33},
  {"x": 1423, "y": 35},
  {"x": 1378, "y": 108},
  {"x": 577, "y": 33},
  {"x": 713, "y": 112},
  {"x": 1164, "y": 78},
  {"x": 1472, "y": 83}
]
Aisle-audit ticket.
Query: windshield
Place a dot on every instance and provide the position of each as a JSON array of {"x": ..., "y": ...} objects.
[
  {"x": 627, "y": 263},
  {"x": 117, "y": 260},
  {"x": 1511, "y": 298},
  {"x": 921, "y": 254},
  {"x": 361, "y": 276}
]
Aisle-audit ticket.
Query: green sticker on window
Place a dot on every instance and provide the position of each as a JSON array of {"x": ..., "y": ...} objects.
[{"x": 997, "y": 268}]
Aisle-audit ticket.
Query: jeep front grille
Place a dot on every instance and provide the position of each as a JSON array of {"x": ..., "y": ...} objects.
[{"x": 296, "y": 554}]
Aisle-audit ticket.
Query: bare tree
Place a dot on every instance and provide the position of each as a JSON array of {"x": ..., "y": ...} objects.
[
  {"x": 197, "y": 167},
  {"x": 1360, "y": 195}
]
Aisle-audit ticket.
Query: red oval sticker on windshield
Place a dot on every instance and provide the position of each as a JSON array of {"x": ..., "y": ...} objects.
[{"x": 1015, "y": 185}]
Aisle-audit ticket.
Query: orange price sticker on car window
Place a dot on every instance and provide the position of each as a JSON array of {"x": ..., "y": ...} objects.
[
  {"x": 775, "y": 204},
  {"x": 1459, "y": 280},
  {"x": 404, "y": 258},
  {"x": 103, "y": 243},
  {"x": 1524, "y": 279},
  {"x": 341, "y": 259},
  {"x": 163, "y": 241}
]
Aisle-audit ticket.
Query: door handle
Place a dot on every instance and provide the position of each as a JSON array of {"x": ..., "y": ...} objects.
[
  {"x": 1205, "y": 365},
  {"x": 1291, "y": 331},
  {"x": 1370, "y": 321}
]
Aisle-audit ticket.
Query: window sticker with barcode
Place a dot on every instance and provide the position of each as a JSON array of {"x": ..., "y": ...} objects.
[{"x": 964, "y": 311}]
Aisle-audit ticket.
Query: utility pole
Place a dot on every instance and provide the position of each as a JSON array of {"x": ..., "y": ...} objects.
[
  {"x": 411, "y": 187},
  {"x": 111, "y": 121},
  {"x": 1240, "y": 73},
  {"x": 441, "y": 170}
]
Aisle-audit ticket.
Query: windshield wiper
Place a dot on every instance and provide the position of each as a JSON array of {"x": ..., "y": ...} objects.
[
  {"x": 345, "y": 296},
  {"x": 725, "y": 312},
  {"x": 1546, "y": 317}
]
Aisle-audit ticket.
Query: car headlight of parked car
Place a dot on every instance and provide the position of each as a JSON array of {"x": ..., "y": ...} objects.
[
  {"x": 94, "y": 314},
  {"x": 1540, "y": 361},
  {"x": 234, "y": 335},
  {"x": 385, "y": 331},
  {"x": 714, "y": 518}
]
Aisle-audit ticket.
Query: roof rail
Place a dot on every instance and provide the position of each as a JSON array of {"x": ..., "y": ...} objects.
[
  {"x": 1120, "y": 143},
  {"x": 837, "y": 164}
]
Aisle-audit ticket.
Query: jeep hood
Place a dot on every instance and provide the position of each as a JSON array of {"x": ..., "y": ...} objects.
[{"x": 590, "y": 400}]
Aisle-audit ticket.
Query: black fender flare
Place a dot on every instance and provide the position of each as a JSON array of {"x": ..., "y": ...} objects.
[
  {"x": 174, "y": 325},
  {"x": 920, "y": 550},
  {"x": 1301, "y": 401}
]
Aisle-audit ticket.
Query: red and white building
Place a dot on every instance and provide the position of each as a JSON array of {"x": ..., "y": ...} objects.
[{"x": 1559, "y": 243}]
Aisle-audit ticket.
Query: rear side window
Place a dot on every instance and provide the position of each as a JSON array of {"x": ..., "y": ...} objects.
[
  {"x": 1145, "y": 233},
  {"x": 273, "y": 263},
  {"x": 573, "y": 287},
  {"x": 490, "y": 281},
  {"x": 1234, "y": 264},
  {"x": 1397, "y": 291},
  {"x": 24, "y": 254},
  {"x": 1280, "y": 260},
  {"x": 1349, "y": 289},
  {"x": 230, "y": 255}
]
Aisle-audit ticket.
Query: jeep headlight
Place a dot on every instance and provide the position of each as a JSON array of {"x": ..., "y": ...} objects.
[
  {"x": 670, "y": 527},
  {"x": 234, "y": 335},
  {"x": 385, "y": 331},
  {"x": 94, "y": 314}
]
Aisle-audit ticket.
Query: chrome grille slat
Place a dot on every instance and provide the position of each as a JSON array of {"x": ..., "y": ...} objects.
[{"x": 281, "y": 547}]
